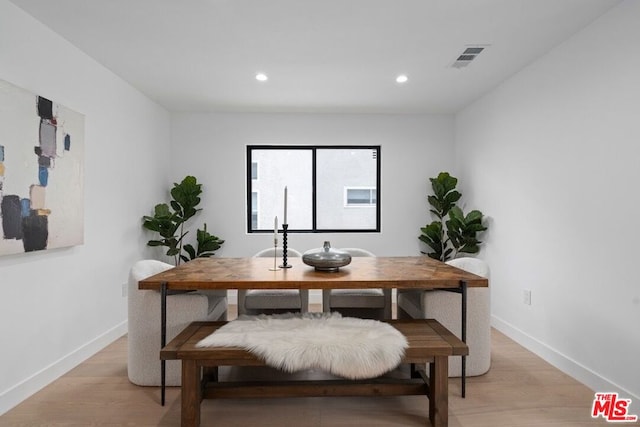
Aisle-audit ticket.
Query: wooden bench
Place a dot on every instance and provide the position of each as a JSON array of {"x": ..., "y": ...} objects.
[{"x": 429, "y": 342}]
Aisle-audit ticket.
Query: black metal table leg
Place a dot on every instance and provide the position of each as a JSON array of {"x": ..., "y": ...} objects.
[
  {"x": 463, "y": 291},
  {"x": 163, "y": 337}
]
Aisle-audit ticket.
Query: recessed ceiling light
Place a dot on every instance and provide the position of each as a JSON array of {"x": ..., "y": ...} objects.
[
  {"x": 402, "y": 78},
  {"x": 261, "y": 77}
]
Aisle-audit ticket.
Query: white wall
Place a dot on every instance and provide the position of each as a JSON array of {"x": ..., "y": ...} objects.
[
  {"x": 58, "y": 307},
  {"x": 213, "y": 148},
  {"x": 552, "y": 156}
]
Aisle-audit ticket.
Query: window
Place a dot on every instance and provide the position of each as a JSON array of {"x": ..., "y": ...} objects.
[{"x": 324, "y": 184}]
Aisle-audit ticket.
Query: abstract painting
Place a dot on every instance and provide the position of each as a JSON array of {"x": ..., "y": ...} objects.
[{"x": 41, "y": 173}]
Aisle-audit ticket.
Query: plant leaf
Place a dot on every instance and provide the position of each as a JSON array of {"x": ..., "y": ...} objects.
[
  {"x": 172, "y": 252},
  {"x": 188, "y": 248}
]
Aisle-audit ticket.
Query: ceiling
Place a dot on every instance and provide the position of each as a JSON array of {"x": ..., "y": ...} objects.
[{"x": 335, "y": 56}]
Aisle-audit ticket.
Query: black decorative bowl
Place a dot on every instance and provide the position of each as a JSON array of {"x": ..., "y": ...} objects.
[{"x": 326, "y": 258}]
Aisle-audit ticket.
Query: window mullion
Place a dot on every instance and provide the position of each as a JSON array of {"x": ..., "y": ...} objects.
[{"x": 314, "y": 206}]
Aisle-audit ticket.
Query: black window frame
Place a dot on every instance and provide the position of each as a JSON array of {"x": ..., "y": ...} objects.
[{"x": 314, "y": 149}]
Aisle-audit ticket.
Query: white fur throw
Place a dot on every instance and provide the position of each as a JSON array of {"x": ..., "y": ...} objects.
[{"x": 348, "y": 347}]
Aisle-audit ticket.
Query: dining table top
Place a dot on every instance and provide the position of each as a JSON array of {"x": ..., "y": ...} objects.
[{"x": 406, "y": 272}]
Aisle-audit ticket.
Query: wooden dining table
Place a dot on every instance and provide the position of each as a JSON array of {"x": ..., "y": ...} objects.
[{"x": 412, "y": 273}]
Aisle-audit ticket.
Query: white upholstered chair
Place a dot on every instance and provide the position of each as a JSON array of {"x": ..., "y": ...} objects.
[
  {"x": 144, "y": 323},
  {"x": 363, "y": 303},
  {"x": 268, "y": 301},
  {"x": 445, "y": 308}
]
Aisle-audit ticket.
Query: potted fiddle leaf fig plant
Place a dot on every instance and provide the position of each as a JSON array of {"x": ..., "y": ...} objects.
[
  {"x": 169, "y": 222},
  {"x": 459, "y": 233}
]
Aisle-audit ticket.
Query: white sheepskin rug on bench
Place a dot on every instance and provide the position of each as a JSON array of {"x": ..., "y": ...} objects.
[{"x": 344, "y": 346}]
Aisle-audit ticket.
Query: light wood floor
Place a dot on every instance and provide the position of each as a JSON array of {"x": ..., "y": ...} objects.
[{"x": 519, "y": 390}]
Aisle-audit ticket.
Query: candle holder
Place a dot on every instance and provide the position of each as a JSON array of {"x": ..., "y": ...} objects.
[
  {"x": 285, "y": 227},
  {"x": 275, "y": 255}
]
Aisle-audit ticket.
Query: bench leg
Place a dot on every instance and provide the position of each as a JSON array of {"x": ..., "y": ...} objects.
[
  {"x": 439, "y": 391},
  {"x": 191, "y": 394}
]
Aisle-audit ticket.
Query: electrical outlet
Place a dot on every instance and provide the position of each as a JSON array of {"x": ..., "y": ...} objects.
[
  {"x": 125, "y": 289},
  {"x": 526, "y": 296}
]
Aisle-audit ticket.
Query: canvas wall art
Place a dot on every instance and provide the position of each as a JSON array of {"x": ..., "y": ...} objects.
[{"x": 41, "y": 173}]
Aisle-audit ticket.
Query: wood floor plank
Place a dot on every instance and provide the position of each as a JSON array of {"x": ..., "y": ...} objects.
[{"x": 520, "y": 390}]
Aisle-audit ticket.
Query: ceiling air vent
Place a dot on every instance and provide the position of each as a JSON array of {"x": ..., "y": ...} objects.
[{"x": 465, "y": 58}]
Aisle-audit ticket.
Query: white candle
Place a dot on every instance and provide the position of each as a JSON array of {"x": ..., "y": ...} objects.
[
  {"x": 285, "y": 205},
  {"x": 275, "y": 229}
]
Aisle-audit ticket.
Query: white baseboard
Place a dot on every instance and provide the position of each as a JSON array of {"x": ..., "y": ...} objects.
[
  {"x": 21, "y": 391},
  {"x": 567, "y": 365}
]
